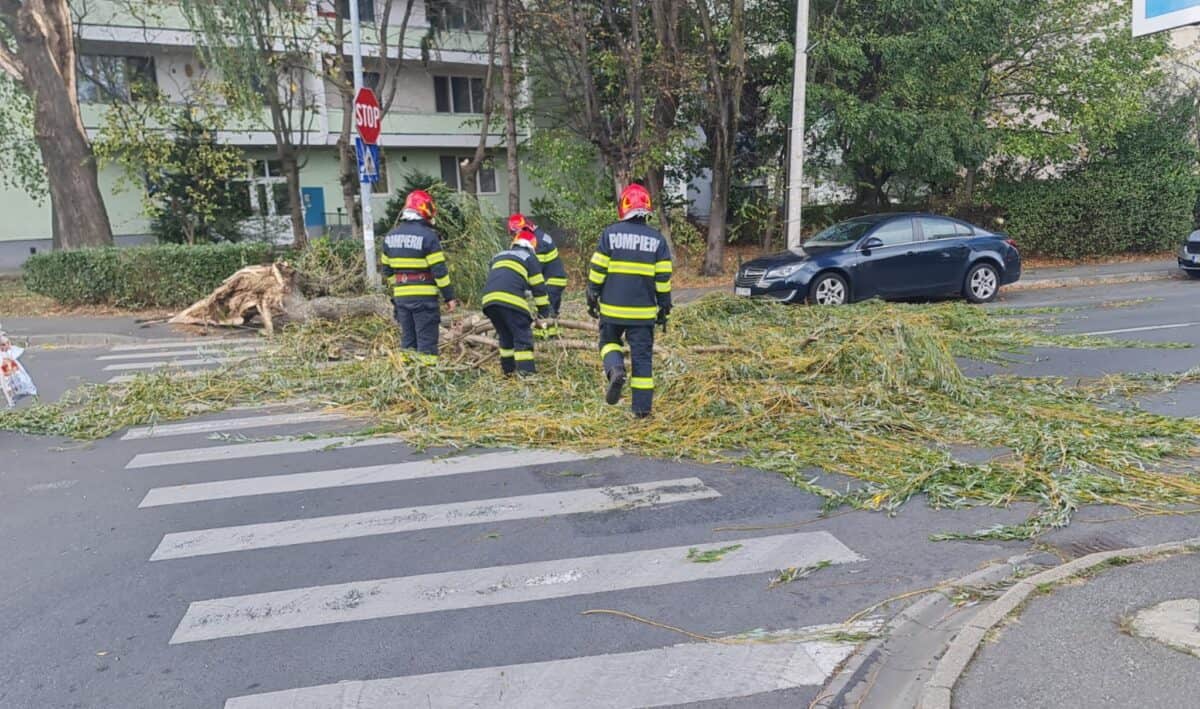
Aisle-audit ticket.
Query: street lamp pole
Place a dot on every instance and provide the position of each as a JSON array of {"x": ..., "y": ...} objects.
[
  {"x": 796, "y": 159},
  {"x": 368, "y": 226}
]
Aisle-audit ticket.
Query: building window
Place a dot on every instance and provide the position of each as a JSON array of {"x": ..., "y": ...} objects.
[
  {"x": 366, "y": 10},
  {"x": 457, "y": 15},
  {"x": 485, "y": 179},
  {"x": 106, "y": 78},
  {"x": 268, "y": 189},
  {"x": 458, "y": 94},
  {"x": 381, "y": 185},
  {"x": 370, "y": 79}
]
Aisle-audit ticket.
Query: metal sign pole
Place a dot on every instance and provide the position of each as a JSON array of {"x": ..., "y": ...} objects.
[
  {"x": 796, "y": 160},
  {"x": 368, "y": 226}
]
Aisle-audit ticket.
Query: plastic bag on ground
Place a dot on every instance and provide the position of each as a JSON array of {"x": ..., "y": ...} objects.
[{"x": 15, "y": 382}]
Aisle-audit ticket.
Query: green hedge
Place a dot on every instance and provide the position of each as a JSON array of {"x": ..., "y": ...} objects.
[
  {"x": 1135, "y": 198},
  {"x": 165, "y": 275}
]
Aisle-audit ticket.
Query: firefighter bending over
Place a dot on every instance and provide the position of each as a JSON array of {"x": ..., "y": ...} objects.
[
  {"x": 513, "y": 272},
  {"x": 552, "y": 269}
]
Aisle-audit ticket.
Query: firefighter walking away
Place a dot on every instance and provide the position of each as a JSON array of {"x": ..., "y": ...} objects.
[
  {"x": 629, "y": 289},
  {"x": 552, "y": 269},
  {"x": 514, "y": 272},
  {"x": 414, "y": 267}
]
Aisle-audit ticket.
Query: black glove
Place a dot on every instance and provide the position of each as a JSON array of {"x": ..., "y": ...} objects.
[
  {"x": 593, "y": 302},
  {"x": 663, "y": 315}
]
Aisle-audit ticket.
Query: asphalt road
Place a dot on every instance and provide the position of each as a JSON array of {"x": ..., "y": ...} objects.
[{"x": 461, "y": 582}]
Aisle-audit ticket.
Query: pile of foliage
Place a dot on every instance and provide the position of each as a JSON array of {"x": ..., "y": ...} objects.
[
  {"x": 872, "y": 392},
  {"x": 165, "y": 275}
]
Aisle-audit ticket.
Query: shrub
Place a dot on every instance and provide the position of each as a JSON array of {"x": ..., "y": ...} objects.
[
  {"x": 166, "y": 275},
  {"x": 1137, "y": 197},
  {"x": 330, "y": 268}
]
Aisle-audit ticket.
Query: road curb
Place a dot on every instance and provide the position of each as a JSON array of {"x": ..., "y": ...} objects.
[
  {"x": 1162, "y": 274},
  {"x": 914, "y": 620},
  {"x": 938, "y": 691}
]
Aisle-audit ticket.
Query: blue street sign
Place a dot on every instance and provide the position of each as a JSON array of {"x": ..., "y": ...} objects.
[{"x": 368, "y": 161}]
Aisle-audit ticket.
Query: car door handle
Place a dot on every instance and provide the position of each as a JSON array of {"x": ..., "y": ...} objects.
[
  {"x": 946, "y": 254},
  {"x": 910, "y": 253}
]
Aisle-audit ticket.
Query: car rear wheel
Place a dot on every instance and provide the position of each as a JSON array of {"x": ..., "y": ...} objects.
[
  {"x": 982, "y": 284},
  {"x": 829, "y": 289}
]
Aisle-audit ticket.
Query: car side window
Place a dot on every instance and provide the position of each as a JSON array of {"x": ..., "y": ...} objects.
[
  {"x": 937, "y": 228},
  {"x": 963, "y": 229},
  {"x": 895, "y": 232}
]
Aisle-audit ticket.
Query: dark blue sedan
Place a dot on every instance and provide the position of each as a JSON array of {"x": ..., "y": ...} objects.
[{"x": 887, "y": 256}]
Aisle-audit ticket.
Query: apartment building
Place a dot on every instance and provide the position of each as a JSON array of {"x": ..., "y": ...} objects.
[{"x": 433, "y": 122}]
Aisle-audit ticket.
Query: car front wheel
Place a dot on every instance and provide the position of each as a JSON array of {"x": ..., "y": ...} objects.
[
  {"x": 829, "y": 289},
  {"x": 982, "y": 284}
]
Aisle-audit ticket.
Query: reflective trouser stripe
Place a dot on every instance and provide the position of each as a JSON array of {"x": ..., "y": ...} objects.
[
  {"x": 508, "y": 298},
  {"x": 506, "y": 353},
  {"x": 403, "y": 291},
  {"x": 625, "y": 312},
  {"x": 641, "y": 383},
  {"x": 523, "y": 356},
  {"x": 609, "y": 348},
  {"x": 557, "y": 282},
  {"x": 426, "y": 358}
]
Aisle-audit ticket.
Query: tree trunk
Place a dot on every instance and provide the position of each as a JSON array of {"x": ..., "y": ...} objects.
[
  {"x": 510, "y": 108},
  {"x": 46, "y": 52},
  {"x": 656, "y": 183},
  {"x": 291, "y": 169},
  {"x": 348, "y": 171},
  {"x": 714, "y": 254}
]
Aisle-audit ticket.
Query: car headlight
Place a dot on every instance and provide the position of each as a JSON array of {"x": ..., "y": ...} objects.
[{"x": 784, "y": 271}]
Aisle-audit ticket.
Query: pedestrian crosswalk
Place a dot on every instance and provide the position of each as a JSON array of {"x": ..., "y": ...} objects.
[
  {"x": 211, "y": 478},
  {"x": 191, "y": 357}
]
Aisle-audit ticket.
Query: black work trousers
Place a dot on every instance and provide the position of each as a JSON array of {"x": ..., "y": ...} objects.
[
  {"x": 514, "y": 330},
  {"x": 641, "y": 353},
  {"x": 419, "y": 319}
]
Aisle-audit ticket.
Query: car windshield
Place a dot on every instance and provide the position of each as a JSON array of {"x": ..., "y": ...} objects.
[{"x": 841, "y": 234}]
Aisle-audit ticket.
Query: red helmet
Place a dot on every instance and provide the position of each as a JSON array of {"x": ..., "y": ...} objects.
[
  {"x": 635, "y": 202},
  {"x": 519, "y": 221},
  {"x": 421, "y": 202},
  {"x": 525, "y": 237}
]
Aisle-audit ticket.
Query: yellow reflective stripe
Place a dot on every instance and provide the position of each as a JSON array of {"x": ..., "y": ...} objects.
[
  {"x": 436, "y": 257},
  {"x": 541, "y": 300},
  {"x": 557, "y": 282},
  {"x": 537, "y": 279},
  {"x": 662, "y": 286},
  {"x": 596, "y": 277},
  {"x": 427, "y": 358},
  {"x": 610, "y": 348},
  {"x": 506, "y": 353},
  {"x": 548, "y": 256},
  {"x": 641, "y": 383},
  {"x": 599, "y": 259},
  {"x": 442, "y": 282},
  {"x": 502, "y": 297},
  {"x": 625, "y": 312},
  {"x": 663, "y": 267},
  {"x": 402, "y": 262},
  {"x": 402, "y": 291},
  {"x": 512, "y": 266},
  {"x": 631, "y": 268},
  {"x": 523, "y": 355}
]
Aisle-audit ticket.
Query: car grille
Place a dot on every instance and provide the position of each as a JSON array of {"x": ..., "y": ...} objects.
[
  {"x": 1193, "y": 247},
  {"x": 749, "y": 277}
]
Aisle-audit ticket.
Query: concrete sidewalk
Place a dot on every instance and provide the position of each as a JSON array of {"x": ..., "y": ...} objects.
[{"x": 87, "y": 331}]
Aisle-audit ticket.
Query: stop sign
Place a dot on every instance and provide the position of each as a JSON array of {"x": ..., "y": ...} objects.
[{"x": 367, "y": 115}]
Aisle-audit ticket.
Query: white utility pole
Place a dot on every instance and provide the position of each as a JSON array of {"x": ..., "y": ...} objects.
[
  {"x": 364, "y": 188},
  {"x": 796, "y": 160}
]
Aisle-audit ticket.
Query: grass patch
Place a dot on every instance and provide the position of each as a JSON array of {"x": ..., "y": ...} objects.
[{"x": 868, "y": 391}]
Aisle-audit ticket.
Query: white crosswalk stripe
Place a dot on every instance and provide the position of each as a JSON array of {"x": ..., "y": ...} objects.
[
  {"x": 256, "y": 449},
  {"x": 692, "y": 672},
  {"x": 367, "y": 475},
  {"x": 162, "y": 363},
  {"x": 189, "y": 344},
  {"x": 178, "y": 353},
  {"x": 365, "y": 524},
  {"x": 233, "y": 424},
  {"x": 519, "y": 583}
]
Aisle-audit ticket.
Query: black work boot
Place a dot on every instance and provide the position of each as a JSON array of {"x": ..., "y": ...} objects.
[{"x": 616, "y": 381}]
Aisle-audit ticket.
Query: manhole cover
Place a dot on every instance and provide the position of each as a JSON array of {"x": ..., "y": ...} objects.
[{"x": 1091, "y": 545}]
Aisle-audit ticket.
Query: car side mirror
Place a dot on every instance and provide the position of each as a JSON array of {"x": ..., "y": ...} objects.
[{"x": 872, "y": 243}]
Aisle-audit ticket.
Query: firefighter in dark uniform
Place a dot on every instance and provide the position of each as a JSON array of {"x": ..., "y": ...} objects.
[
  {"x": 513, "y": 273},
  {"x": 414, "y": 267},
  {"x": 629, "y": 289},
  {"x": 552, "y": 269}
]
